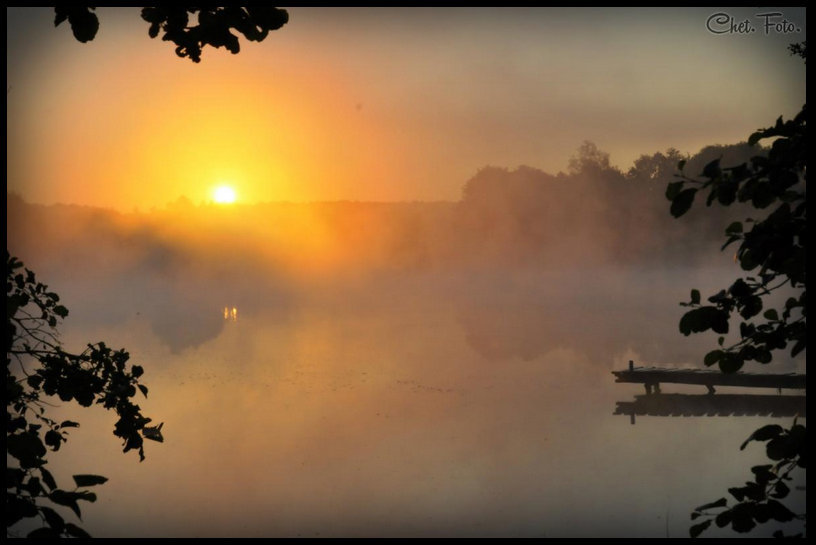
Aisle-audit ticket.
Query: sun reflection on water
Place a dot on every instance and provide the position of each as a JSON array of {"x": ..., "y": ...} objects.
[{"x": 231, "y": 314}]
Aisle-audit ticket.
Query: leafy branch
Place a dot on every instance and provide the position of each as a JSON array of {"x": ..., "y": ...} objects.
[
  {"x": 97, "y": 375},
  {"x": 758, "y": 501},
  {"x": 214, "y": 28},
  {"x": 774, "y": 247}
]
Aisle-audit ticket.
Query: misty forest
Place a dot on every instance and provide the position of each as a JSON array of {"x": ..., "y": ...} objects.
[{"x": 435, "y": 365}]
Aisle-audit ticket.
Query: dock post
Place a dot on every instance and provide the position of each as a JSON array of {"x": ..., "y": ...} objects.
[{"x": 631, "y": 365}]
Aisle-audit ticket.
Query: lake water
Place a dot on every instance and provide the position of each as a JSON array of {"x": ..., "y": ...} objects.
[{"x": 449, "y": 403}]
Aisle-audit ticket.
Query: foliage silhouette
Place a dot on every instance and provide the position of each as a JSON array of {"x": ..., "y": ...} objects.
[
  {"x": 589, "y": 159},
  {"x": 98, "y": 375},
  {"x": 775, "y": 247},
  {"x": 213, "y": 28}
]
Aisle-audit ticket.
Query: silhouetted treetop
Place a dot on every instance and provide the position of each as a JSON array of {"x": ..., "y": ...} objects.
[
  {"x": 213, "y": 28},
  {"x": 84, "y": 23},
  {"x": 799, "y": 49},
  {"x": 589, "y": 159}
]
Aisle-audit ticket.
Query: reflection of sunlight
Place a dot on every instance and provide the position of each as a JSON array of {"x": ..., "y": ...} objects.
[{"x": 231, "y": 313}]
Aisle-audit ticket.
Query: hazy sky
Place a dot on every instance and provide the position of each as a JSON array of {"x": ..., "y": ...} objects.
[{"x": 379, "y": 104}]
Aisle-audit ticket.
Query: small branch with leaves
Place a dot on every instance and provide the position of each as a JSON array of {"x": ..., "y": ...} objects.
[{"x": 97, "y": 375}]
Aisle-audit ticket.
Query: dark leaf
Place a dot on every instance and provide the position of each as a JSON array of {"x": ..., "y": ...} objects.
[
  {"x": 26, "y": 447},
  {"x": 48, "y": 479},
  {"x": 751, "y": 306},
  {"x": 68, "y": 499},
  {"x": 779, "y": 448},
  {"x": 14, "y": 477},
  {"x": 143, "y": 388},
  {"x": 673, "y": 189},
  {"x": 43, "y": 532},
  {"x": 734, "y": 229},
  {"x": 682, "y": 202},
  {"x": 53, "y": 518},
  {"x": 86, "y": 495},
  {"x": 84, "y": 24},
  {"x": 61, "y": 15},
  {"x": 723, "y": 519},
  {"x": 780, "y": 490},
  {"x": 89, "y": 480},
  {"x": 738, "y": 493},
  {"x": 763, "y": 195},
  {"x": 726, "y": 193},
  {"x": 720, "y": 298},
  {"x": 33, "y": 487},
  {"x": 34, "y": 381},
  {"x": 76, "y": 531},
  {"x": 15, "y": 424},
  {"x": 154, "y": 433},
  {"x": 722, "y": 502},
  {"x": 763, "y": 473},
  {"x": 731, "y": 363},
  {"x": 53, "y": 439},
  {"x": 780, "y": 512},
  {"x": 713, "y": 357},
  {"x": 740, "y": 288},
  {"x": 762, "y": 513},
  {"x": 764, "y": 434},
  {"x": 742, "y": 521},
  {"x": 18, "y": 508},
  {"x": 747, "y": 260},
  {"x": 702, "y": 319},
  {"x": 763, "y": 356},
  {"x": 698, "y": 529},
  {"x": 712, "y": 169}
]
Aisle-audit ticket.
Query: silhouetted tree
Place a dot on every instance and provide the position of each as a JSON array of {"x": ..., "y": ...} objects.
[
  {"x": 775, "y": 248},
  {"x": 589, "y": 159},
  {"x": 37, "y": 367},
  {"x": 213, "y": 28},
  {"x": 97, "y": 375},
  {"x": 656, "y": 167}
]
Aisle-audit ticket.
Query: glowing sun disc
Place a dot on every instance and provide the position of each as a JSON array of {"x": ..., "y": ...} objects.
[{"x": 224, "y": 194}]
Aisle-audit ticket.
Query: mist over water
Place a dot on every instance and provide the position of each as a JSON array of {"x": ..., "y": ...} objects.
[{"x": 385, "y": 372}]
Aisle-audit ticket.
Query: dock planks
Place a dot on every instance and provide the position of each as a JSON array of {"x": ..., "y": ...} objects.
[{"x": 652, "y": 377}]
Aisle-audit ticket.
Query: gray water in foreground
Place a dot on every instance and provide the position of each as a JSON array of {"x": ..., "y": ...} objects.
[{"x": 412, "y": 405}]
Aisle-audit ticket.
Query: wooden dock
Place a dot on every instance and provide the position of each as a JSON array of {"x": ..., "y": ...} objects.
[
  {"x": 688, "y": 405},
  {"x": 653, "y": 377}
]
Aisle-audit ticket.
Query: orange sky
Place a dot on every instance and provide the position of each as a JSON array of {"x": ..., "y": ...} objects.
[{"x": 387, "y": 104}]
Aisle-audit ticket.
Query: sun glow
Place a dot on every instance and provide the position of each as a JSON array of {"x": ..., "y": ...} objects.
[{"x": 224, "y": 195}]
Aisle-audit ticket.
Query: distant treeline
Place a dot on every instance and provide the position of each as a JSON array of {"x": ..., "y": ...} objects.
[{"x": 593, "y": 214}]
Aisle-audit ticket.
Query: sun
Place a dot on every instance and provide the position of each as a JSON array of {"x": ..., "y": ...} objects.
[{"x": 224, "y": 194}]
